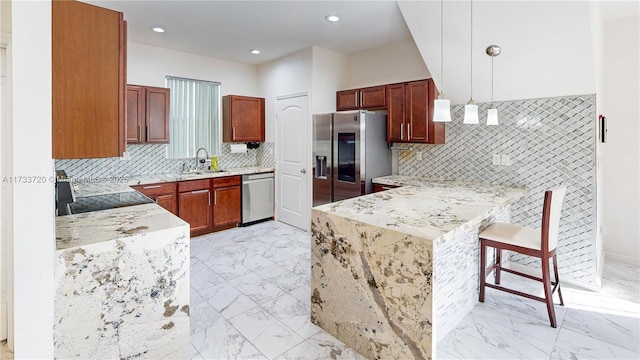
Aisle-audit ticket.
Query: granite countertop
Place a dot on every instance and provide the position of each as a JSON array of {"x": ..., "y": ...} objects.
[
  {"x": 123, "y": 183},
  {"x": 113, "y": 224},
  {"x": 431, "y": 209}
]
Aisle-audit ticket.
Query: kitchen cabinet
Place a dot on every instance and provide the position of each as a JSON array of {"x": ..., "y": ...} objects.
[
  {"x": 370, "y": 98},
  {"x": 163, "y": 194},
  {"x": 242, "y": 119},
  {"x": 147, "y": 114},
  {"x": 410, "y": 113},
  {"x": 382, "y": 187},
  {"x": 226, "y": 201},
  {"x": 88, "y": 61},
  {"x": 194, "y": 205}
]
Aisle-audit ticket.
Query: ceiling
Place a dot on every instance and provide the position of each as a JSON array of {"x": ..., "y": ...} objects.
[{"x": 230, "y": 29}]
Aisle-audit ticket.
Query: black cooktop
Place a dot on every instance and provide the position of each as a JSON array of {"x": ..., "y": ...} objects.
[{"x": 107, "y": 201}]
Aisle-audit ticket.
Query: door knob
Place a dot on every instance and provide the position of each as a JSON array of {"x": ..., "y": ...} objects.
[{"x": 304, "y": 171}]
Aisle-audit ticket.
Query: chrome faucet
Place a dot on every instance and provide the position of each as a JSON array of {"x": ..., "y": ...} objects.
[{"x": 203, "y": 161}]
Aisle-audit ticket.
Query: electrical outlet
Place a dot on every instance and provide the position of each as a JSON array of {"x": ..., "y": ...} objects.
[
  {"x": 419, "y": 155},
  {"x": 496, "y": 159},
  {"x": 505, "y": 160}
]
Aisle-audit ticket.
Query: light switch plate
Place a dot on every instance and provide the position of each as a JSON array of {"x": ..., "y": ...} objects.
[
  {"x": 496, "y": 159},
  {"x": 505, "y": 160}
]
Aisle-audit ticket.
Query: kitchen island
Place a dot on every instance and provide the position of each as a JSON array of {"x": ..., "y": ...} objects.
[
  {"x": 393, "y": 272},
  {"x": 122, "y": 285}
]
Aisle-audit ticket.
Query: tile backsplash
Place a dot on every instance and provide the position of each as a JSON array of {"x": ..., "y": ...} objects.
[
  {"x": 549, "y": 141},
  {"x": 149, "y": 159}
]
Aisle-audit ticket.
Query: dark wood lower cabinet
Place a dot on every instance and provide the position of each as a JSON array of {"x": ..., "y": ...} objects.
[
  {"x": 381, "y": 187},
  {"x": 194, "y": 207},
  {"x": 226, "y": 206},
  {"x": 163, "y": 194}
]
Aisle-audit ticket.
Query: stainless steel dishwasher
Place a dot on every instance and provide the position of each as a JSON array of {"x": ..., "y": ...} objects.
[{"x": 257, "y": 197}]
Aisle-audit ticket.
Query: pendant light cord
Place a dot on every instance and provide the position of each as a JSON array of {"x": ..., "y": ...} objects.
[
  {"x": 442, "y": 46},
  {"x": 492, "y": 56},
  {"x": 471, "y": 82}
]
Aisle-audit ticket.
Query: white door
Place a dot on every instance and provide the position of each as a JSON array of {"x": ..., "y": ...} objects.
[{"x": 293, "y": 146}]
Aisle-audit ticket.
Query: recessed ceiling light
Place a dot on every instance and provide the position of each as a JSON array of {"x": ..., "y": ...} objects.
[
  {"x": 158, "y": 29},
  {"x": 255, "y": 51},
  {"x": 332, "y": 18}
]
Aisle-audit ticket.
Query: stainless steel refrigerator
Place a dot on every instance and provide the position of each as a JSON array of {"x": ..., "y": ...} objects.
[{"x": 349, "y": 149}]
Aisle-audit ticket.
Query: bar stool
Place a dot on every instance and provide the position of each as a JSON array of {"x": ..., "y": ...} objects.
[{"x": 540, "y": 243}]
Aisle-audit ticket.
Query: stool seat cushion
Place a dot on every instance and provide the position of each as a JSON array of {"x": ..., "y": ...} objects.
[{"x": 513, "y": 234}]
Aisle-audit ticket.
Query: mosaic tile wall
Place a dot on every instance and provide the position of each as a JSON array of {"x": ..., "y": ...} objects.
[
  {"x": 550, "y": 142},
  {"x": 151, "y": 159}
]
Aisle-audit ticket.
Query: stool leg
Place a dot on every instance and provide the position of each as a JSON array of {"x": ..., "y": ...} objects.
[
  {"x": 483, "y": 268},
  {"x": 546, "y": 282},
  {"x": 555, "y": 272},
  {"x": 498, "y": 265}
]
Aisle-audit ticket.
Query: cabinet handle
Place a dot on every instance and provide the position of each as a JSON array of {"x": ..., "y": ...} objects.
[
  {"x": 152, "y": 187},
  {"x": 360, "y": 98},
  {"x": 408, "y": 131},
  {"x": 147, "y": 127},
  {"x": 234, "y": 133},
  {"x": 138, "y": 135},
  {"x": 401, "y": 131},
  {"x": 199, "y": 191},
  {"x": 215, "y": 198}
]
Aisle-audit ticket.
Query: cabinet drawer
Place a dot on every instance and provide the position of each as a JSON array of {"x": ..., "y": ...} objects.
[
  {"x": 226, "y": 181},
  {"x": 156, "y": 189},
  {"x": 192, "y": 185}
]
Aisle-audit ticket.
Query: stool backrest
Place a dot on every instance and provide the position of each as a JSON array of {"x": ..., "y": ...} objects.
[{"x": 551, "y": 217}]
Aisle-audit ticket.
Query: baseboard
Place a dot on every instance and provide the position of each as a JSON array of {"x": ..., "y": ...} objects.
[
  {"x": 613, "y": 257},
  {"x": 563, "y": 279}
]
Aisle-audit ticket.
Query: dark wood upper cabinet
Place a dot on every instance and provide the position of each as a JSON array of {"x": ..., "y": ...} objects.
[
  {"x": 410, "y": 113},
  {"x": 88, "y": 81},
  {"x": 147, "y": 114},
  {"x": 242, "y": 119},
  {"x": 369, "y": 98}
]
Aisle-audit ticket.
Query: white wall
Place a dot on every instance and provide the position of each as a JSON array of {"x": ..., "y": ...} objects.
[
  {"x": 394, "y": 63},
  {"x": 621, "y": 152},
  {"x": 148, "y": 65},
  {"x": 329, "y": 73},
  {"x": 34, "y": 235},
  {"x": 288, "y": 75}
]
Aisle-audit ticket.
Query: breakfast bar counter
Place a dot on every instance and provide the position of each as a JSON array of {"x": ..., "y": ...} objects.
[{"x": 394, "y": 271}]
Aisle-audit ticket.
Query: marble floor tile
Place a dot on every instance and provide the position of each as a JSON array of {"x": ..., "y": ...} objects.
[
  {"x": 282, "y": 278},
  {"x": 622, "y": 281},
  {"x": 303, "y": 351},
  {"x": 227, "y": 300},
  {"x": 223, "y": 341},
  {"x": 622, "y": 331},
  {"x": 201, "y": 314},
  {"x": 302, "y": 293},
  {"x": 573, "y": 345},
  {"x": 461, "y": 345},
  {"x": 299, "y": 266},
  {"x": 277, "y": 255},
  {"x": 334, "y": 348},
  {"x": 203, "y": 276},
  {"x": 266, "y": 332},
  {"x": 258, "y": 289},
  {"x": 228, "y": 269},
  {"x": 194, "y": 354},
  {"x": 252, "y": 260}
]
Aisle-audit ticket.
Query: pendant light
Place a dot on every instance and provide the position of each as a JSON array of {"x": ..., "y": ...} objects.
[
  {"x": 492, "y": 113},
  {"x": 471, "y": 109},
  {"x": 442, "y": 105}
]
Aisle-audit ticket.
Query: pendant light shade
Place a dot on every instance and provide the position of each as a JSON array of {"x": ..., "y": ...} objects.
[
  {"x": 442, "y": 111},
  {"x": 492, "y": 113},
  {"x": 442, "y": 105},
  {"x": 471, "y": 113},
  {"x": 492, "y": 116},
  {"x": 471, "y": 109}
]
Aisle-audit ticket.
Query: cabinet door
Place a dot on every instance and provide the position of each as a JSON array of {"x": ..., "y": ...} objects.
[
  {"x": 168, "y": 202},
  {"x": 417, "y": 111},
  {"x": 135, "y": 114},
  {"x": 194, "y": 207},
  {"x": 157, "y": 115},
  {"x": 348, "y": 100},
  {"x": 226, "y": 208},
  {"x": 243, "y": 118},
  {"x": 373, "y": 97},
  {"x": 88, "y": 81},
  {"x": 395, "y": 113}
]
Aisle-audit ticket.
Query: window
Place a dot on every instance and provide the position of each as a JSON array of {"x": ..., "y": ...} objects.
[{"x": 194, "y": 117}]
